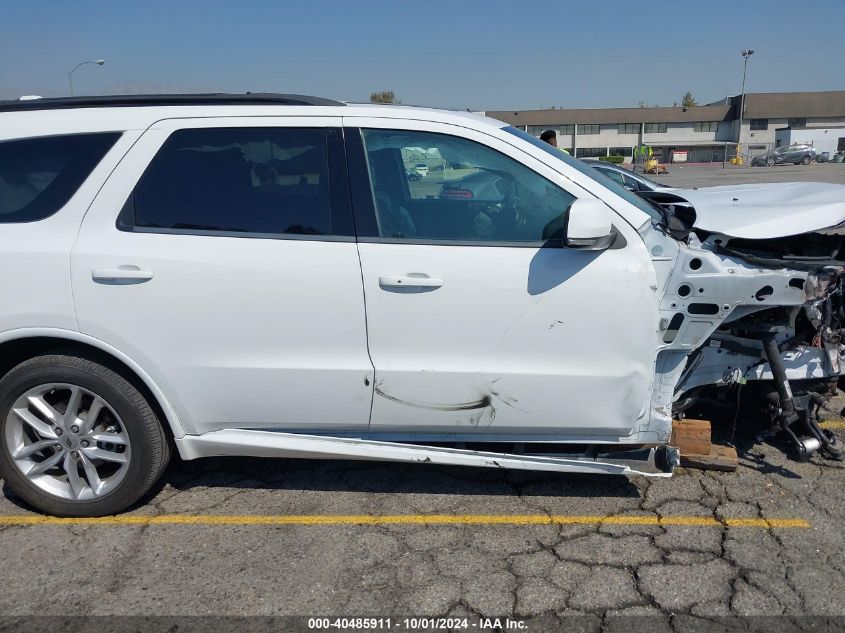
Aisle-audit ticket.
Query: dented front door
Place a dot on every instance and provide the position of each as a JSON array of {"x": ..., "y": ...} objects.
[
  {"x": 515, "y": 340},
  {"x": 486, "y": 337}
]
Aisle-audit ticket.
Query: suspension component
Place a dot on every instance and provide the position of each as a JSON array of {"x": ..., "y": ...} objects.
[{"x": 792, "y": 409}]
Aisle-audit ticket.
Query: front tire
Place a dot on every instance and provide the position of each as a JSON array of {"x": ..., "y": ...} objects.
[
  {"x": 805, "y": 160},
  {"x": 76, "y": 437}
]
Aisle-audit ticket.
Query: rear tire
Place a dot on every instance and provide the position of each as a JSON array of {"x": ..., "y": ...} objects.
[
  {"x": 51, "y": 401},
  {"x": 770, "y": 163}
]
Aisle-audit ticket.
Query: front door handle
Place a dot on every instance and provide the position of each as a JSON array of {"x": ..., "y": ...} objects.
[
  {"x": 411, "y": 280},
  {"x": 121, "y": 275}
]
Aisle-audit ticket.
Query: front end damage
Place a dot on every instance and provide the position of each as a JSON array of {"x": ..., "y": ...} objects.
[{"x": 754, "y": 315}]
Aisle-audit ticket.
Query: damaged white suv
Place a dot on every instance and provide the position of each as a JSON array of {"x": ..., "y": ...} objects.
[{"x": 259, "y": 275}]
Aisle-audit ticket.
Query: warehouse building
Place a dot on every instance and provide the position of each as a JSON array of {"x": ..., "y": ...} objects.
[{"x": 677, "y": 134}]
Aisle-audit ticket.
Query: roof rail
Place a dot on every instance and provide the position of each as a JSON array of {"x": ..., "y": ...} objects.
[{"x": 122, "y": 101}]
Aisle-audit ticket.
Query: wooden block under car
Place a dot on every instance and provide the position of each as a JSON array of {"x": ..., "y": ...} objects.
[
  {"x": 692, "y": 437},
  {"x": 720, "y": 458}
]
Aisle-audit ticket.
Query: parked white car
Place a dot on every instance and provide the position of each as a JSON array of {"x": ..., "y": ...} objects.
[{"x": 259, "y": 275}]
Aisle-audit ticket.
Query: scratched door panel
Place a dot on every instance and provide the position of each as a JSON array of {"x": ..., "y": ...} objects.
[{"x": 516, "y": 340}]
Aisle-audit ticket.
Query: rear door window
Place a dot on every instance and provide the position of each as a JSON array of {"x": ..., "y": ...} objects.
[
  {"x": 39, "y": 175},
  {"x": 241, "y": 180}
]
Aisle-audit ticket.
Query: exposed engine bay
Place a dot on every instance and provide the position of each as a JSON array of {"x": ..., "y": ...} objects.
[{"x": 753, "y": 304}]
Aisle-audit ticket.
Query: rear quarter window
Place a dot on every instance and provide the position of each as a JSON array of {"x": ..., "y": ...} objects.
[{"x": 39, "y": 175}]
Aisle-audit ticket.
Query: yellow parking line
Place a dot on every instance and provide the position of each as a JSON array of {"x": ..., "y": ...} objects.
[
  {"x": 833, "y": 424},
  {"x": 406, "y": 519}
]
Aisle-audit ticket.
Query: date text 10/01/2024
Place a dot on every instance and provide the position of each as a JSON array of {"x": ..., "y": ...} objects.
[{"x": 416, "y": 624}]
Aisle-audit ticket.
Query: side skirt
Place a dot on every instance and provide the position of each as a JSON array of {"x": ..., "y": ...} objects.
[{"x": 650, "y": 461}]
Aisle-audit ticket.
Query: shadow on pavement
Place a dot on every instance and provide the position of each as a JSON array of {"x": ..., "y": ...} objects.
[
  {"x": 742, "y": 430},
  {"x": 375, "y": 477},
  {"x": 747, "y": 429},
  {"x": 386, "y": 477}
]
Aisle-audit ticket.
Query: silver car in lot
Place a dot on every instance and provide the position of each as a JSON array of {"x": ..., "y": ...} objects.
[
  {"x": 625, "y": 177},
  {"x": 791, "y": 154}
]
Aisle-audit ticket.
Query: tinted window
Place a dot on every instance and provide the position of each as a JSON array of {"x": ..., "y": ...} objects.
[
  {"x": 254, "y": 180},
  {"x": 470, "y": 193},
  {"x": 39, "y": 175},
  {"x": 590, "y": 152},
  {"x": 706, "y": 126}
]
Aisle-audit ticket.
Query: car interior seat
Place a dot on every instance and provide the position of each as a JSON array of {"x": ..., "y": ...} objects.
[{"x": 391, "y": 193}]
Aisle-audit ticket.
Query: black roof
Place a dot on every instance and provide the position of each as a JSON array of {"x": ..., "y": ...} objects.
[{"x": 118, "y": 101}]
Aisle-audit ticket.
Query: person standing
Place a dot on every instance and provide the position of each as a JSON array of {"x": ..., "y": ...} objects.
[{"x": 550, "y": 137}]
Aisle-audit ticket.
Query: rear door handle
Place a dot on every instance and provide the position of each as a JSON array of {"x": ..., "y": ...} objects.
[
  {"x": 121, "y": 274},
  {"x": 411, "y": 280}
]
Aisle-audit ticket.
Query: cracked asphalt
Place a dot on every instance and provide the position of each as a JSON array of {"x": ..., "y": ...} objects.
[{"x": 527, "y": 571}]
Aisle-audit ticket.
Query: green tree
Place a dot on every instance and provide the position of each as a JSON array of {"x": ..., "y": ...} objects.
[
  {"x": 688, "y": 100},
  {"x": 383, "y": 96}
]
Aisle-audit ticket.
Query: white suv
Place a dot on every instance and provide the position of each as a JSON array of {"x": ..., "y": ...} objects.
[{"x": 259, "y": 275}]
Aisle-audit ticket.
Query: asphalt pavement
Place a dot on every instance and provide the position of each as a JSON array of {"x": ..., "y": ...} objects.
[
  {"x": 708, "y": 175},
  {"x": 287, "y": 537}
]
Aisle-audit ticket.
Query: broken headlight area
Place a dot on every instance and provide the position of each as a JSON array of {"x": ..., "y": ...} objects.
[{"x": 810, "y": 252}]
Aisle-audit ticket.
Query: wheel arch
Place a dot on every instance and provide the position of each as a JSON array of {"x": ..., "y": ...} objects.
[{"x": 16, "y": 346}]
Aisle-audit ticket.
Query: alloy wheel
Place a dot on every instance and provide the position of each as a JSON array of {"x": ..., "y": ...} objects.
[{"x": 68, "y": 441}]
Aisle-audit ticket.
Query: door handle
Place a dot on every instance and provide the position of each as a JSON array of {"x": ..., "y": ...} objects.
[
  {"x": 121, "y": 274},
  {"x": 411, "y": 280}
]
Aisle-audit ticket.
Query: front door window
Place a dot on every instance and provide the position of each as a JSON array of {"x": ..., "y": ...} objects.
[{"x": 467, "y": 192}]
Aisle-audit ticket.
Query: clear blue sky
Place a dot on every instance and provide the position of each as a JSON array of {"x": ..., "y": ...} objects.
[{"x": 450, "y": 53}]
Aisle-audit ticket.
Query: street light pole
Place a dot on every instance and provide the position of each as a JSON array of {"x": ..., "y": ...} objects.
[
  {"x": 99, "y": 62},
  {"x": 745, "y": 54}
]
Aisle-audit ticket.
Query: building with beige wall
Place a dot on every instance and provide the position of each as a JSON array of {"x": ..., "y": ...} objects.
[{"x": 695, "y": 134}]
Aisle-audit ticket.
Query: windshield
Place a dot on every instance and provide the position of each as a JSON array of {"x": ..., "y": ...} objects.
[{"x": 591, "y": 173}]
